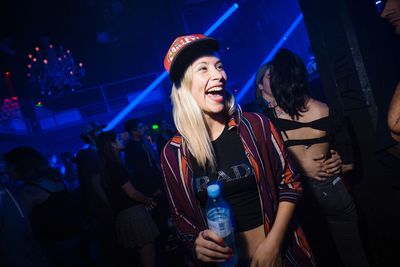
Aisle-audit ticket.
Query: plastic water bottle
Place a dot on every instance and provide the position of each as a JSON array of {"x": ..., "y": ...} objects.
[{"x": 219, "y": 221}]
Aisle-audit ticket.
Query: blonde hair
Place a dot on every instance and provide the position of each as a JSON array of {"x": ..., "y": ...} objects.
[{"x": 190, "y": 122}]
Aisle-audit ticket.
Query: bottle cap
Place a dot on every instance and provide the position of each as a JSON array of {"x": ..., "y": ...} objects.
[{"x": 213, "y": 190}]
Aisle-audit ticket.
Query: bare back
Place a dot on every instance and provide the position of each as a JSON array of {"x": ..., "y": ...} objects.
[{"x": 303, "y": 138}]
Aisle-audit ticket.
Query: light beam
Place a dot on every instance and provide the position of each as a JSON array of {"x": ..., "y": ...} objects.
[
  {"x": 285, "y": 36},
  {"x": 122, "y": 114}
]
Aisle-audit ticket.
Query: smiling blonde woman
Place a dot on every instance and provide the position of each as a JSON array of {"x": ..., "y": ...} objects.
[{"x": 242, "y": 152}]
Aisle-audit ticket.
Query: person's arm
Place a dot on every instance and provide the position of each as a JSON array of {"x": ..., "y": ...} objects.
[
  {"x": 96, "y": 183},
  {"x": 268, "y": 252},
  {"x": 210, "y": 248},
  {"x": 347, "y": 167},
  {"x": 395, "y": 136},
  {"x": 319, "y": 168},
  {"x": 393, "y": 118},
  {"x": 287, "y": 176},
  {"x": 290, "y": 190},
  {"x": 137, "y": 195},
  {"x": 334, "y": 164},
  {"x": 182, "y": 212}
]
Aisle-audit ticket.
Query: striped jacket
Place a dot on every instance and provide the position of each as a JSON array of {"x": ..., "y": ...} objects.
[{"x": 276, "y": 178}]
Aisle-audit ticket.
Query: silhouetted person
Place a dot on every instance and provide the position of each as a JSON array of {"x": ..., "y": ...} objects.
[
  {"x": 55, "y": 218},
  {"x": 142, "y": 160},
  {"x": 165, "y": 132},
  {"x": 95, "y": 204},
  {"x": 135, "y": 229}
]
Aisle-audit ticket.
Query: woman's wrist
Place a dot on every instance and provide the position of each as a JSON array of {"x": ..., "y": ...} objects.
[{"x": 273, "y": 242}]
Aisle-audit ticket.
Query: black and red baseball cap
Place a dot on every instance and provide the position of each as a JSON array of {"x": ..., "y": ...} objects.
[{"x": 184, "y": 50}]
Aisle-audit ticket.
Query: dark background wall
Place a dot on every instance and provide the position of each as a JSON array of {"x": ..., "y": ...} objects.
[{"x": 358, "y": 58}]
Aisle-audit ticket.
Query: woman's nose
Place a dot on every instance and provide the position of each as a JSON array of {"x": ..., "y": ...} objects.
[{"x": 216, "y": 74}]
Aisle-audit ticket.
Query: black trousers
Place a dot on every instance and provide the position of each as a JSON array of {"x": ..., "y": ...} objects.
[{"x": 339, "y": 210}]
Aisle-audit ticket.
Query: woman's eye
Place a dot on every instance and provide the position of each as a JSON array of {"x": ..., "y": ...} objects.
[
  {"x": 220, "y": 67},
  {"x": 202, "y": 68}
]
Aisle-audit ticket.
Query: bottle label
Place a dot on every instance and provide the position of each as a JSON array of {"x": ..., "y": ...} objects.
[{"x": 219, "y": 221}]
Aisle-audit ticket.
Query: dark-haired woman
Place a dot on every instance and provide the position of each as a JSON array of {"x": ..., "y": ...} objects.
[
  {"x": 310, "y": 130},
  {"x": 135, "y": 229}
]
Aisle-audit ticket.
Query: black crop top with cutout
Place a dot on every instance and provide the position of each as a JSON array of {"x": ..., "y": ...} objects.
[
  {"x": 322, "y": 124},
  {"x": 337, "y": 135}
]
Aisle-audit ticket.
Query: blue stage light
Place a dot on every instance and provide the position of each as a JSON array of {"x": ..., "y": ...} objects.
[
  {"x": 160, "y": 78},
  {"x": 135, "y": 102},
  {"x": 222, "y": 19},
  {"x": 285, "y": 36}
]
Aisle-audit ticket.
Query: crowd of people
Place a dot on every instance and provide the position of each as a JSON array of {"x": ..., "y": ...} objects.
[{"x": 103, "y": 206}]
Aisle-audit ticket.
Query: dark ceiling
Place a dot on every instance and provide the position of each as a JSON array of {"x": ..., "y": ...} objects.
[{"x": 118, "y": 39}]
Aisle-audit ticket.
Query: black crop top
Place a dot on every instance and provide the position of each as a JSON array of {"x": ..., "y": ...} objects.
[
  {"x": 236, "y": 175},
  {"x": 334, "y": 125},
  {"x": 322, "y": 124}
]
